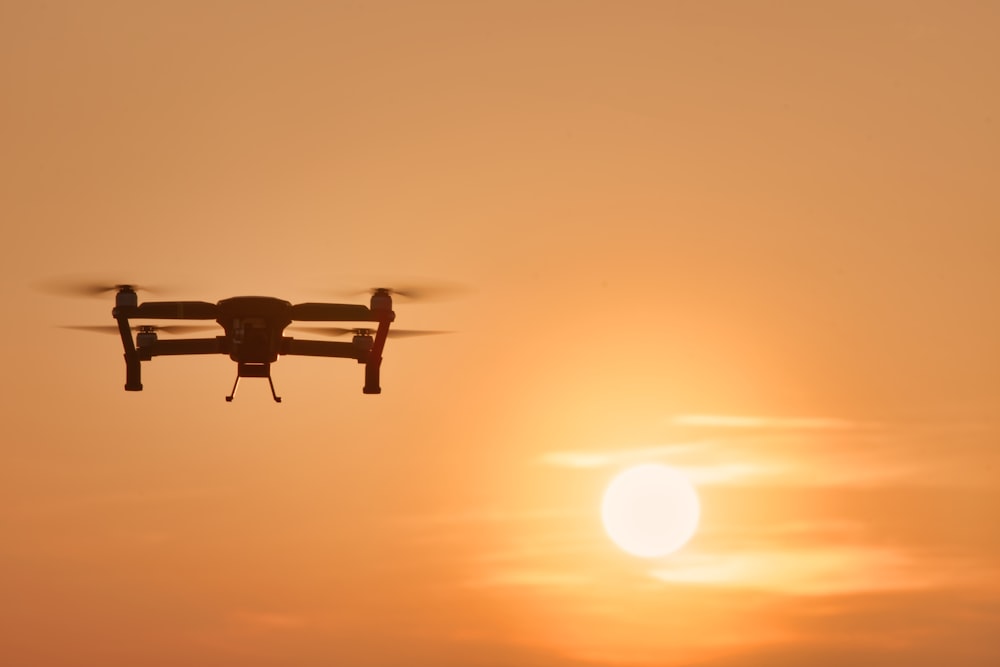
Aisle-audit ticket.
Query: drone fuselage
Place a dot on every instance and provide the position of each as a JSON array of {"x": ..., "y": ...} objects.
[
  {"x": 254, "y": 326},
  {"x": 253, "y": 336}
]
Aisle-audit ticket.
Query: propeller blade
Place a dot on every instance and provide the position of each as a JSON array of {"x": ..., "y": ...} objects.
[
  {"x": 184, "y": 328},
  {"x": 427, "y": 292},
  {"x": 86, "y": 288},
  {"x": 168, "y": 328},
  {"x": 412, "y": 292},
  {"x": 414, "y": 333},
  {"x": 105, "y": 328},
  {"x": 331, "y": 331},
  {"x": 330, "y": 312},
  {"x": 393, "y": 333}
]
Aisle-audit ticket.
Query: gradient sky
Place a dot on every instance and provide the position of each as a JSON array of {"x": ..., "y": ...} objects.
[{"x": 756, "y": 241}]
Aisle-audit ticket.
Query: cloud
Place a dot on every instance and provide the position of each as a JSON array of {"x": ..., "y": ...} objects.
[
  {"x": 770, "y": 423},
  {"x": 823, "y": 557},
  {"x": 823, "y": 570},
  {"x": 703, "y": 463},
  {"x": 920, "y": 628},
  {"x": 755, "y": 451},
  {"x": 604, "y": 459}
]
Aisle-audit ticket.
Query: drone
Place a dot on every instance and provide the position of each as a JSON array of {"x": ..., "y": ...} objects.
[{"x": 253, "y": 332}]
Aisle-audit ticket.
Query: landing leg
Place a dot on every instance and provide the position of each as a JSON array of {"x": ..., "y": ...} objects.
[
  {"x": 229, "y": 399},
  {"x": 277, "y": 399},
  {"x": 372, "y": 377},
  {"x": 133, "y": 373}
]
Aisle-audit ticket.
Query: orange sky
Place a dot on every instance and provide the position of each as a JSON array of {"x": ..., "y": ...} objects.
[{"x": 759, "y": 242}]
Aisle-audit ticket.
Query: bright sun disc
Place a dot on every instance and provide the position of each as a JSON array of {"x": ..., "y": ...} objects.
[{"x": 650, "y": 510}]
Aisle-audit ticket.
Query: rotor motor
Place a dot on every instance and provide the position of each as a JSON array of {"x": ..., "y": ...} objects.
[
  {"x": 381, "y": 299},
  {"x": 146, "y": 337},
  {"x": 363, "y": 340},
  {"x": 126, "y": 297}
]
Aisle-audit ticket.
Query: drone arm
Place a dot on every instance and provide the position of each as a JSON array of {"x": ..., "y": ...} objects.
[
  {"x": 332, "y": 312},
  {"x": 179, "y": 346},
  {"x": 175, "y": 310},
  {"x": 321, "y": 348}
]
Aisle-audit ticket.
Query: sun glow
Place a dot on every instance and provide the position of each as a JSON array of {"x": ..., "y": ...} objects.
[{"x": 650, "y": 510}]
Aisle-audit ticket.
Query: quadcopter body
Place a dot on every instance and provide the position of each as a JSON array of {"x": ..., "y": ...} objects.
[{"x": 253, "y": 333}]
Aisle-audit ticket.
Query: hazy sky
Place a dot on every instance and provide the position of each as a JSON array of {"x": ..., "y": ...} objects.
[{"x": 756, "y": 241}]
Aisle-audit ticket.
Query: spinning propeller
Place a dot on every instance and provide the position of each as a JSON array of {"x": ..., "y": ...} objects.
[
  {"x": 393, "y": 333},
  {"x": 71, "y": 287},
  {"x": 424, "y": 292},
  {"x": 144, "y": 328}
]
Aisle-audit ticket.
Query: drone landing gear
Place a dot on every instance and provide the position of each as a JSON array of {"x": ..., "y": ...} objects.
[
  {"x": 244, "y": 370},
  {"x": 133, "y": 373}
]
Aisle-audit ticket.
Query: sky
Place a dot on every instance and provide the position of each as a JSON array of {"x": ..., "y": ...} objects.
[{"x": 757, "y": 242}]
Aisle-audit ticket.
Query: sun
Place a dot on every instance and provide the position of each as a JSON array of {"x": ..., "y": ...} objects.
[{"x": 650, "y": 510}]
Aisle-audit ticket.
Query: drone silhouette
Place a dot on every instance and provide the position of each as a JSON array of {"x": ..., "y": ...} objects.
[{"x": 253, "y": 331}]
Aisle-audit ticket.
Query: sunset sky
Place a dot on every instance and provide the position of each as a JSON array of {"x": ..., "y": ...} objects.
[{"x": 758, "y": 242}]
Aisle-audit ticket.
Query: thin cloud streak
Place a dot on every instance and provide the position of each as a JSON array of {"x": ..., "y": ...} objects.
[
  {"x": 770, "y": 423},
  {"x": 604, "y": 459},
  {"x": 793, "y": 558},
  {"x": 833, "y": 453},
  {"x": 713, "y": 463},
  {"x": 824, "y": 570}
]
